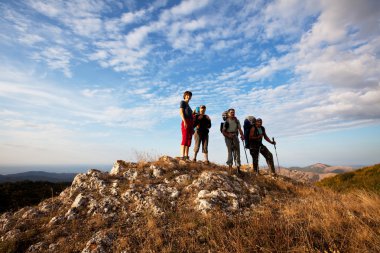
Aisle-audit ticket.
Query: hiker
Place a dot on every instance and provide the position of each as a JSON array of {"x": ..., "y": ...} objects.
[
  {"x": 202, "y": 124},
  {"x": 187, "y": 129},
  {"x": 256, "y": 146},
  {"x": 231, "y": 129},
  {"x": 249, "y": 122}
]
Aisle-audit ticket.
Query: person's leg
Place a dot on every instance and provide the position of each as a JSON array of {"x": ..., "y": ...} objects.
[
  {"x": 237, "y": 150},
  {"x": 186, "y": 152},
  {"x": 205, "y": 148},
  {"x": 229, "y": 150},
  {"x": 188, "y": 136},
  {"x": 254, "y": 151},
  {"x": 269, "y": 158},
  {"x": 196, "y": 145},
  {"x": 183, "y": 140}
]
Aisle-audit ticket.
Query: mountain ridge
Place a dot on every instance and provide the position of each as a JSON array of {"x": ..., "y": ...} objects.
[{"x": 38, "y": 176}]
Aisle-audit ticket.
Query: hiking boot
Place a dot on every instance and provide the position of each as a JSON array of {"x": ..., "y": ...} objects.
[{"x": 194, "y": 159}]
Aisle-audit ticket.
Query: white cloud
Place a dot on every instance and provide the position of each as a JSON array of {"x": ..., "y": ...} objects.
[
  {"x": 96, "y": 92},
  {"x": 287, "y": 17},
  {"x": 81, "y": 16},
  {"x": 135, "y": 38},
  {"x": 131, "y": 17},
  {"x": 86, "y": 26},
  {"x": 56, "y": 58},
  {"x": 187, "y": 7},
  {"x": 31, "y": 39},
  {"x": 5, "y": 113}
]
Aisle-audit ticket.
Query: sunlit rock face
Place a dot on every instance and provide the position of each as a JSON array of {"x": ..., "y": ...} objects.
[{"x": 97, "y": 200}]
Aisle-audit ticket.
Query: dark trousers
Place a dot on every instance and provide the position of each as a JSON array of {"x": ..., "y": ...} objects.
[
  {"x": 233, "y": 150},
  {"x": 201, "y": 138},
  {"x": 255, "y": 150}
]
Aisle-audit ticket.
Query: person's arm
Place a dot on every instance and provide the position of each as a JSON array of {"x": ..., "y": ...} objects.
[
  {"x": 240, "y": 131},
  {"x": 209, "y": 121},
  {"x": 267, "y": 138},
  {"x": 224, "y": 131},
  {"x": 182, "y": 114},
  {"x": 241, "y": 134},
  {"x": 197, "y": 121}
]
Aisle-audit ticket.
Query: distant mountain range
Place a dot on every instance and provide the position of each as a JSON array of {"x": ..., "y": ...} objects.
[
  {"x": 314, "y": 173},
  {"x": 38, "y": 176},
  {"x": 321, "y": 168}
]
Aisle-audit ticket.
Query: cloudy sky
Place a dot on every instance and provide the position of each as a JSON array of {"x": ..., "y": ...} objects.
[{"x": 93, "y": 81}]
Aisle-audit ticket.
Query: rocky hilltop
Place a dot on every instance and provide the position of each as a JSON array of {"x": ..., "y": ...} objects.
[
  {"x": 175, "y": 206},
  {"x": 84, "y": 215}
]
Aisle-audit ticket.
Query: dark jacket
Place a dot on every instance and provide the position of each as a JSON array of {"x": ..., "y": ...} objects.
[
  {"x": 204, "y": 124},
  {"x": 258, "y": 142}
]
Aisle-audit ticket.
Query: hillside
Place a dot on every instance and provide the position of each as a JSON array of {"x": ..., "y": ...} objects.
[
  {"x": 320, "y": 168},
  {"x": 15, "y": 195},
  {"x": 367, "y": 178},
  {"x": 38, "y": 176},
  {"x": 176, "y": 206}
]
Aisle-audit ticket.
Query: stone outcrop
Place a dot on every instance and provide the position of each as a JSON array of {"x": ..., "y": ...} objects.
[{"x": 130, "y": 190}]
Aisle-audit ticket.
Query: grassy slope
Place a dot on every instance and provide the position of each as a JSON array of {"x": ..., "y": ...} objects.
[
  {"x": 292, "y": 217},
  {"x": 367, "y": 179}
]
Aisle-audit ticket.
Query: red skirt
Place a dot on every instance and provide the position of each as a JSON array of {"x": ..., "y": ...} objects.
[{"x": 187, "y": 133}]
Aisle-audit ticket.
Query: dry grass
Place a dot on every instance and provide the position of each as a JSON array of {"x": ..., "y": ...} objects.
[
  {"x": 304, "y": 219},
  {"x": 291, "y": 217}
]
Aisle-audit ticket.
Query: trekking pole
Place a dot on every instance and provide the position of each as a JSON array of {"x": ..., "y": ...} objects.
[
  {"x": 258, "y": 161},
  {"x": 245, "y": 151},
  {"x": 278, "y": 164}
]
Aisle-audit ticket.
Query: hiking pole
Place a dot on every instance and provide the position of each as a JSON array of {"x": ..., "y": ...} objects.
[
  {"x": 245, "y": 151},
  {"x": 278, "y": 164}
]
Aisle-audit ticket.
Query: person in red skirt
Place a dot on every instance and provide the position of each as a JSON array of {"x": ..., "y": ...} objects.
[{"x": 187, "y": 129}]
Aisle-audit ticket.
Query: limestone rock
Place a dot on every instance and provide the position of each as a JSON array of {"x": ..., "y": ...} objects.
[
  {"x": 97, "y": 200},
  {"x": 101, "y": 242}
]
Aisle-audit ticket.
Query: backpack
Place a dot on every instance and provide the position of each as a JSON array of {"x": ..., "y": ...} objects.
[
  {"x": 247, "y": 128},
  {"x": 224, "y": 117},
  {"x": 225, "y": 124}
]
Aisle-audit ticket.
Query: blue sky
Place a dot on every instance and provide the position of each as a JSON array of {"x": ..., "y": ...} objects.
[{"x": 94, "y": 81}]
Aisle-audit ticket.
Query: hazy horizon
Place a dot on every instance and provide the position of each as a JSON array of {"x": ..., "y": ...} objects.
[{"x": 81, "y": 168}]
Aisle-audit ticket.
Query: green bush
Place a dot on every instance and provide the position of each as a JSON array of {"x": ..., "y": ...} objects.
[
  {"x": 367, "y": 178},
  {"x": 26, "y": 193}
]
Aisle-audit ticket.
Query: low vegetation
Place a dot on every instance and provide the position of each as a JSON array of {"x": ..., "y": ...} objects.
[
  {"x": 15, "y": 195},
  {"x": 314, "y": 221},
  {"x": 291, "y": 217},
  {"x": 367, "y": 178}
]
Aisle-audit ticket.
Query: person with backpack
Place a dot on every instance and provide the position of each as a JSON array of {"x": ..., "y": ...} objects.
[
  {"x": 202, "y": 124},
  {"x": 257, "y": 147},
  {"x": 187, "y": 129},
  {"x": 249, "y": 122},
  {"x": 231, "y": 129}
]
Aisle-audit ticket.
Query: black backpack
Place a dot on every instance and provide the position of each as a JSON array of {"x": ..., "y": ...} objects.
[
  {"x": 247, "y": 128},
  {"x": 222, "y": 124}
]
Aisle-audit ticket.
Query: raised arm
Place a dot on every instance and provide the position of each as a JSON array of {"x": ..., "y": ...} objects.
[{"x": 267, "y": 138}]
